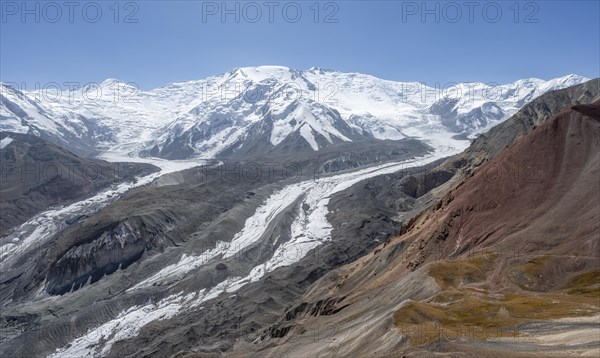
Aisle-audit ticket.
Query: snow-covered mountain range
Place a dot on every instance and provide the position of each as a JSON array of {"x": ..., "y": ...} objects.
[{"x": 256, "y": 110}]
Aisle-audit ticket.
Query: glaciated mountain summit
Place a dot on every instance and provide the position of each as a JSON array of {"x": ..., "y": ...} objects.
[
  {"x": 211, "y": 259},
  {"x": 257, "y": 110}
]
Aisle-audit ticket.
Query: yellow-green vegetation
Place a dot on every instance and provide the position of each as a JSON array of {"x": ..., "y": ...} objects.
[
  {"x": 447, "y": 296},
  {"x": 453, "y": 273},
  {"x": 587, "y": 284},
  {"x": 527, "y": 274},
  {"x": 467, "y": 313},
  {"x": 546, "y": 306},
  {"x": 480, "y": 317}
]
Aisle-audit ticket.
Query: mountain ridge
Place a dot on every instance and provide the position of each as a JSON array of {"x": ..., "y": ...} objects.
[
  {"x": 221, "y": 264},
  {"x": 116, "y": 116}
]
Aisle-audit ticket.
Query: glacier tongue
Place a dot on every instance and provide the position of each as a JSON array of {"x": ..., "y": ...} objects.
[{"x": 309, "y": 230}]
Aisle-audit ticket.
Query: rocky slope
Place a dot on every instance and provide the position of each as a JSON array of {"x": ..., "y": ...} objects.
[
  {"x": 37, "y": 174},
  {"x": 504, "y": 258}
]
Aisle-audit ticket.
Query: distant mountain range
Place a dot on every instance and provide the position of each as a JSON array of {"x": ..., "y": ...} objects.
[{"x": 259, "y": 110}]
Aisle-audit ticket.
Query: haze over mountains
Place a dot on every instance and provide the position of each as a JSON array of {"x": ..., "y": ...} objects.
[{"x": 304, "y": 213}]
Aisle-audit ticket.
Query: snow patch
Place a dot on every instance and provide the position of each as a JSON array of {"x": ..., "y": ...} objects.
[
  {"x": 307, "y": 133},
  {"x": 5, "y": 141}
]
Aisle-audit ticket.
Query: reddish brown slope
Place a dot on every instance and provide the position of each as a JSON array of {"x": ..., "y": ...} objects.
[
  {"x": 539, "y": 196},
  {"x": 515, "y": 243}
]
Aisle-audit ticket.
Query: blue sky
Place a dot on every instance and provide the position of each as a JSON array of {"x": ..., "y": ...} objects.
[{"x": 152, "y": 43}]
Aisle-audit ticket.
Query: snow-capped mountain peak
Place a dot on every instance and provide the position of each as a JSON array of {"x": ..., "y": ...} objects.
[
  {"x": 309, "y": 119},
  {"x": 111, "y": 81},
  {"x": 275, "y": 103}
]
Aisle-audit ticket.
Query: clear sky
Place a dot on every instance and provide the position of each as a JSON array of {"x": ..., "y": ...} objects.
[{"x": 152, "y": 43}]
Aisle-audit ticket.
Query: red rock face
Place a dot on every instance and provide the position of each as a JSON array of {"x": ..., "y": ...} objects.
[
  {"x": 538, "y": 199},
  {"x": 539, "y": 196}
]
